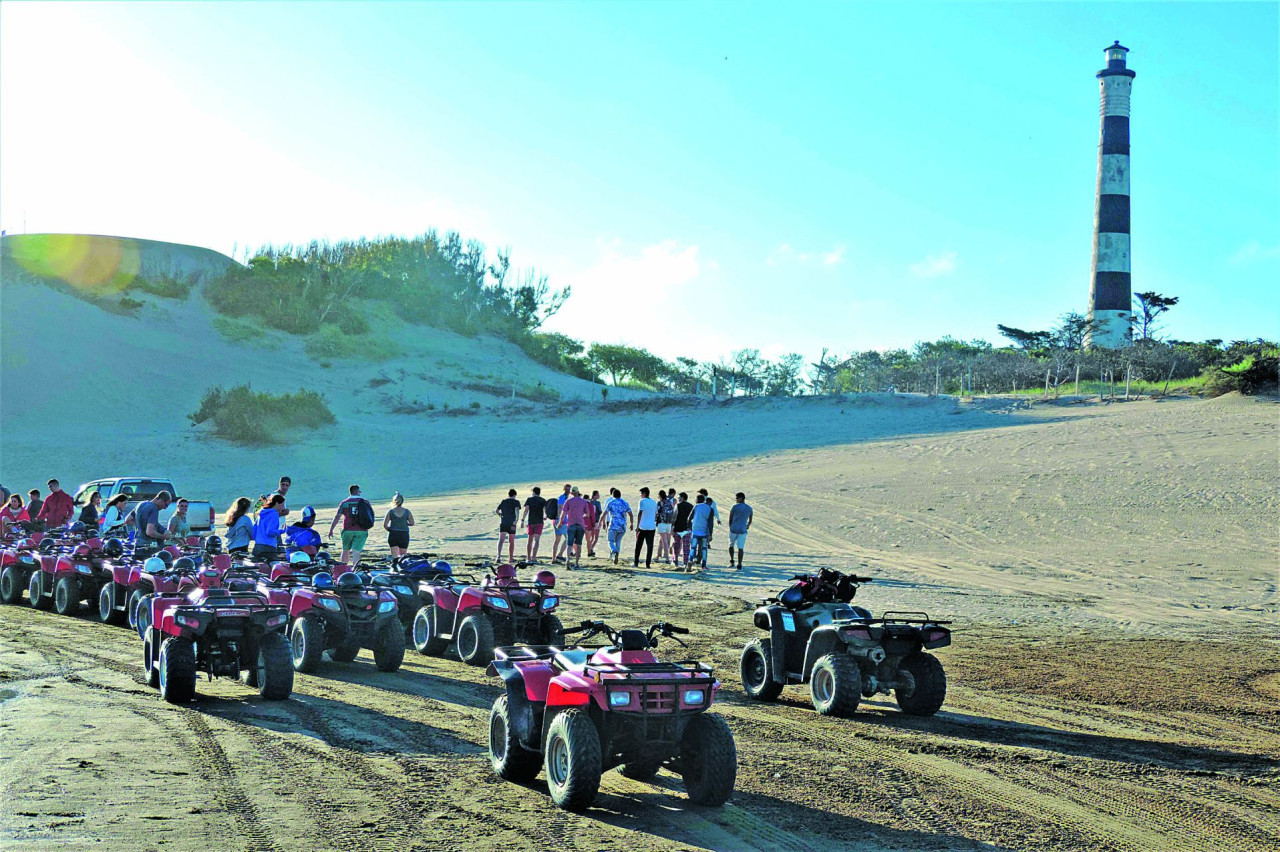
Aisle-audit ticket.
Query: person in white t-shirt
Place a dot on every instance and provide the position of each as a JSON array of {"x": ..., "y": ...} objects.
[{"x": 646, "y": 523}]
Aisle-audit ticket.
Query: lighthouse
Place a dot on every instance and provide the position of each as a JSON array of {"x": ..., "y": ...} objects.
[{"x": 1110, "y": 297}]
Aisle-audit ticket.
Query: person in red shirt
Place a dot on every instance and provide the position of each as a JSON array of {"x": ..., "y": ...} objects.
[
  {"x": 57, "y": 508},
  {"x": 574, "y": 513},
  {"x": 13, "y": 512}
]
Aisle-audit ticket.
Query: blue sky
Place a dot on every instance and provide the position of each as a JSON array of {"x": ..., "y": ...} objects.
[{"x": 706, "y": 176}]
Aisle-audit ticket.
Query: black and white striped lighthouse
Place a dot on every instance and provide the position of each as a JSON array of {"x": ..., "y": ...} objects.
[{"x": 1110, "y": 300}]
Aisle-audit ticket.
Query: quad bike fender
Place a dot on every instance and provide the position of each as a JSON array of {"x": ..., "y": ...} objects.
[
  {"x": 302, "y": 601},
  {"x": 570, "y": 690},
  {"x": 470, "y": 598},
  {"x": 7, "y": 558},
  {"x": 822, "y": 641},
  {"x": 524, "y": 715},
  {"x": 48, "y": 564},
  {"x": 774, "y": 619},
  {"x": 221, "y": 562},
  {"x": 124, "y": 575}
]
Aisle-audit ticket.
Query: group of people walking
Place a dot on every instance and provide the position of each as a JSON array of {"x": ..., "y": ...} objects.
[{"x": 682, "y": 529}]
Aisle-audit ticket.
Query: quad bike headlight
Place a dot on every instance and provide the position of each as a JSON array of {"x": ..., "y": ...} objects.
[
  {"x": 498, "y": 603},
  {"x": 694, "y": 696},
  {"x": 619, "y": 699},
  {"x": 387, "y": 606},
  {"x": 550, "y": 601},
  {"x": 188, "y": 621},
  {"x": 84, "y": 568},
  {"x": 330, "y": 604},
  {"x": 403, "y": 590}
]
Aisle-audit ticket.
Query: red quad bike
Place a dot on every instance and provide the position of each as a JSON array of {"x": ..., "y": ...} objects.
[
  {"x": 499, "y": 610},
  {"x": 68, "y": 574},
  {"x": 588, "y": 709},
  {"x": 817, "y": 636},
  {"x": 17, "y": 562},
  {"x": 130, "y": 583},
  {"x": 342, "y": 616},
  {"x": 163, "y": 580},
  {"x": 221, "y": 628}
]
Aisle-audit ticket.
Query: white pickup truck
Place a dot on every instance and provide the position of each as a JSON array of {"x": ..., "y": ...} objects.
[{"x": 200, "y": 513}]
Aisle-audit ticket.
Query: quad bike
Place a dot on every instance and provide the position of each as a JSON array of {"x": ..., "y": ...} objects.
[
  {"x": 128, "y": 583},
  {"x": 817, "y": 636},
  {"x": 17, "y": 562},
  {"x": 403, "y": 578},
  {"x": 582, "y": 710},
  {"x": 222, "y": 627},
  {"x": 67, "y": 575},
  {"x": 479, "y": 617},
  {"x": 340, "y": 615}
]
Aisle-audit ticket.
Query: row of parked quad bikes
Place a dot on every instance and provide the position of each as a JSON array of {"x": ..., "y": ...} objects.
[{"x": 578, "y": 701}]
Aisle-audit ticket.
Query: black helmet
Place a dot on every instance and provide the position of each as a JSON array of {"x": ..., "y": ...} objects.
[
  {"x": 78, "y": 528},
  {"x": 792, "y": 598},
  {"x": 349, "y": 580},
  {"x": 47, "y": 545},
  {"x": 166, "y": 557},
  {"x": 185, "y": 563},
  {"x": 113, "y": 548},
  {"x": 213, "y": 544}
]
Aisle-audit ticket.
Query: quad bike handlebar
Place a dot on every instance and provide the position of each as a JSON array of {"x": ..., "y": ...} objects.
[{"x": 595, "y": 628}]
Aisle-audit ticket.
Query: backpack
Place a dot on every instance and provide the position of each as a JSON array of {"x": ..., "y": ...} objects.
[
  {"x": 362, "y": 513},
  {"x": 666, "y": 511}
]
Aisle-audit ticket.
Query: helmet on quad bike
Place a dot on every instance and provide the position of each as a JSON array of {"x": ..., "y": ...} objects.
[
  {"x": 166, "y": 557},
  {"x": 298, "y": 557},
  {"x": 78, "y": 528},
  {"x": 154, "y": 565},
  {"x": 442, "y": 567},
  {"x": 792, "y": 598},
  {"x": 47, "y": 545},
  {"x": 349, "y": 580},
  {"x": 323, "y": 580},
  {"x": 186, "y": 563},
  {"x": 113, "y": 548},
  {"x": 545, "y": 578},
  {"x": 213, "y": 545}
]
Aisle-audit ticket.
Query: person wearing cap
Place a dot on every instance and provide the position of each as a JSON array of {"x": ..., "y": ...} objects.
[
  {"x": 302, "y": 535},
  {"x": 397, "y": 523}
]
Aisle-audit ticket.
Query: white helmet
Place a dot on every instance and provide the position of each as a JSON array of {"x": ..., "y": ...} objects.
[
  {"x": 298, "y": 556},
  {"x": 154, "y": 565}
]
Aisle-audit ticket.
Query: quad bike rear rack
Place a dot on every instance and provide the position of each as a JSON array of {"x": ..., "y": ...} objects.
[{"x": 907, "y": 617}]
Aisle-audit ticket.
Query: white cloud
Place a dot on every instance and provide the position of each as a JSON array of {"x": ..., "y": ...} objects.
[
  {"x": 657, "y": 267},
  {"x": 786, "y": 255},
  {"x": 1254, "y": 251},
  {"x": 936, "y": 265}
]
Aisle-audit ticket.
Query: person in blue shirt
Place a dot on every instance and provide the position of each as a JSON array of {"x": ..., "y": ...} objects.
[
  {"x": 301, "y": 536},
  {"x": 700, "y": 528},
  {"x": 266, "y": 532},
  {"x": 151, "y": 534},
  {"x": 617, "y": 514},
  {"x": 239, "y": 526},
  {"x": 739, "y": 522}
]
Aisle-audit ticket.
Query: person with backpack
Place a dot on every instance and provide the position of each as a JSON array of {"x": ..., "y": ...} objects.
[
  {"x": 356, "y": 514},
  {"x": 666, "y": 518}
]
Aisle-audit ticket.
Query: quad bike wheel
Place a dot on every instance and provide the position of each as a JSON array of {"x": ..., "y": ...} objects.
[
  {"x": 107, "y": 612},
  {"x": 10, "y": 585},
  {"x": 509, "y": 759},
  {"x": 149, "y": 661},
  {"x": 475, "y": 640},
  {"x": 425, "y": 638},
  {"x": 552, "y": 630},
  {"x": 131, "y": 608},
  {"x": 643, "y": 768},
  {"x": 930, "y": 690},
  {"x": 66, "y": 596},
  {"x": 708, "y": 760},
  {"x": 388, "y": 649},
  {"x": 142, "y": 616},
  {"x": 33, "y": 593},
  {"x": 273, "y": 672},
  {"x": 306, "y": 642},
  {"x": 836, "y": 685},
  {"x": 757, "y": 671},
  {"x": 346, "y": 652},
  {"x": 177, "y": 670},
  {"x": 572, "y": 760}
]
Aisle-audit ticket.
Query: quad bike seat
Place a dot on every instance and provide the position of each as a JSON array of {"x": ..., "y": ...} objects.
[{"x": 572, "y": 658}]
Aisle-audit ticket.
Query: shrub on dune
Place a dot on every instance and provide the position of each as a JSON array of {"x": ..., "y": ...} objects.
[{"x": 245, "y": 416}]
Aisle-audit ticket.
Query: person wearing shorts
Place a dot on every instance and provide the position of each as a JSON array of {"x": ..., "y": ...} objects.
[
  {"x": 531, "y": 520},
  {"x": 680, "y": 530},
  {"x": 739, "y": 522},
  {"x": 573, "y": 514},
  {"x": 353, "y": 537},
  {"x": 559, "y": 549},
  {"x": 666, "y": 518},
  {"x": 593, "y": 531},
  {"x": 397, "y": 523},
  {"x": 508, "y": 511}
]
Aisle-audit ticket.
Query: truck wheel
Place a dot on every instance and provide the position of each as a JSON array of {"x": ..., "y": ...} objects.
[
  {"x": 131, "y": 607},
  {"x": 930, "y": 690},
  {"x": 33, "y": 593},
  {"x": 107, "y": 612},
  {"x": 475, "y": 640},
  {"x": 66, "y": 596},
  {"x": 643, "y": 768},
  {"x": 552, "y": 630},
  {"x": 388, "y": 652},
  {"x": 306, "y": 641},
  {"x": 274, "y": 671},
  {"x": 509, "y": 759},
  {"x": 177, "y": 670},
  {"x": 836, "y": 685},
  {"x": 149, "y": 662},
  {"x": 757, "y": 671},
  {"x": 346, "y": 652},
  {"x": 708, "y": 760},
  {"x": 572, "y": 760},
  {"x": 10, "y": 585},
  {"x": 425, "y": 638}
]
